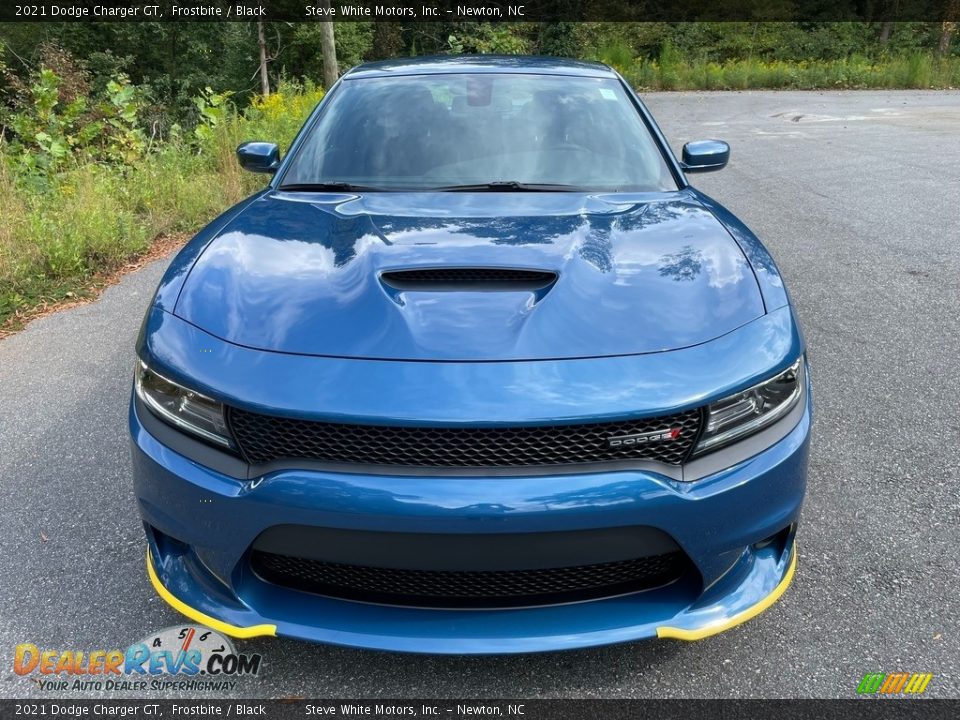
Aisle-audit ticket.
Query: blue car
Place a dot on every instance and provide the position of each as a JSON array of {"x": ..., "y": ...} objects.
[{"x": 477, "y": 372}]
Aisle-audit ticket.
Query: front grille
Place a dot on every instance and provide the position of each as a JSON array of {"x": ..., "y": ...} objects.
[
  {"x": 264, "y": 438},
  {"x": 469, "y": 588}
]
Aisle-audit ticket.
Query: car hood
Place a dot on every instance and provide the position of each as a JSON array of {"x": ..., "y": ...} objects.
[{"x": 303, "y": 273}]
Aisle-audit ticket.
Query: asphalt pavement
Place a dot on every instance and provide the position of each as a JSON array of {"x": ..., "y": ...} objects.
[{"x": 857, "y": 194}]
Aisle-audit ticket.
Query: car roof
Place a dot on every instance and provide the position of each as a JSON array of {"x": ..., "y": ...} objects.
[{"x": 521, "y": 64}]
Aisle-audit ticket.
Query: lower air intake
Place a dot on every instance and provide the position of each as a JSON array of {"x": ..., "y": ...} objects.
[{"x": 469, "y": 588}]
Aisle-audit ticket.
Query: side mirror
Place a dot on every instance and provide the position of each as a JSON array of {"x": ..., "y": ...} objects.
[
  {"x": 259, "y": 157},
  {"x": 705, "y": 156}
]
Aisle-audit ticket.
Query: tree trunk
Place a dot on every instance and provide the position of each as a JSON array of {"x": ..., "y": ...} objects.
[
  {"x": 950, "y": 16},
  {"x": 885, "y": 31},
  {"x": 330, "y": 70},
  {"x": 387, "y": 40},
  {"x": 264, "y": 78},
  {"x": 946, "y": 31}
]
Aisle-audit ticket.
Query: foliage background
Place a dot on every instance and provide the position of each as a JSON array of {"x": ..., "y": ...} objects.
[
  {"x": 171, "y": 63},
  {"x": 113, "y": 134}
]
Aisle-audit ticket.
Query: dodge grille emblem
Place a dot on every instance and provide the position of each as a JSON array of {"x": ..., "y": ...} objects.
[{"x": 625, "y": 441}]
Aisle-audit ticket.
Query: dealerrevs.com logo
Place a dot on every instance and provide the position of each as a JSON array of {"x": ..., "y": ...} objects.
[{"x": 201, "y": 658}]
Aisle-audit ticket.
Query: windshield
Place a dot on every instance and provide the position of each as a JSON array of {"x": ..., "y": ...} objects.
[{"x": 466, "y": 131}]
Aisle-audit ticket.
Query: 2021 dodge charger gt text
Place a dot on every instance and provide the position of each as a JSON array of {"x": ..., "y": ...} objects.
[{"x": 478, "y": 372}]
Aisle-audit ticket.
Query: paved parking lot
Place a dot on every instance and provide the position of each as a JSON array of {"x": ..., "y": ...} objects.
[{"x": 858, "y": 196}]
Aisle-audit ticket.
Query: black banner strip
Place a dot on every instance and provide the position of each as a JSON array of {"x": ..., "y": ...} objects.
[
  {"x": 873, "y": 708},
  {"x": 479, "y": 10}
]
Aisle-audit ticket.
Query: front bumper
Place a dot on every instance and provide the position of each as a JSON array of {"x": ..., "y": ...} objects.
[{"x": 201, "y": 524}]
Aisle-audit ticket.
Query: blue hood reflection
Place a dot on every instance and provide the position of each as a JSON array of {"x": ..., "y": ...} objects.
[{"x": 641, "y": 273}]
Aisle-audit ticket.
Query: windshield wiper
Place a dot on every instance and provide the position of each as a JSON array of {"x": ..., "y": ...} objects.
[
  {"x": 495, "y": 186},
  {"x": 510, "y": 186},
  {"x": 328, "y": 186}
]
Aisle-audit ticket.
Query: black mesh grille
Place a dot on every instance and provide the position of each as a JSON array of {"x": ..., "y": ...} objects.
[
  {"x": 448, "y": 276},
  {"x": 263, "y": 438},
  {"x": 469, "y": 588}
]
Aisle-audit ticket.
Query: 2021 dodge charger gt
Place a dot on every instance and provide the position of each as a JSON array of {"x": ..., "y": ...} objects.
[{"x": 477, "y": 372}]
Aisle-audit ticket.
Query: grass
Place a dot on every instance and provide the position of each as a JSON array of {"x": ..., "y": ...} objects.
[
  {"x": 58, "y": 243},
  {"x": 93, "y": 220},
  {"x": 671, "y": 72}
]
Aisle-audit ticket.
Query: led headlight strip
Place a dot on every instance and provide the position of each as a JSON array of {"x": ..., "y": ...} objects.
[
  {"x": 750, "y": 411},
  {"x": 181, "y": 407}
]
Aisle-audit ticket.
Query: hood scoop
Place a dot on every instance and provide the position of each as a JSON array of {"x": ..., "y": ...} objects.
[{"x": 468, "y": 279}]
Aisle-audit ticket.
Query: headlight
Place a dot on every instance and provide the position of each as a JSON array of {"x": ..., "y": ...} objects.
[
  {"x": 188, "y": 410},
  {"x": 747, "y": 412}
]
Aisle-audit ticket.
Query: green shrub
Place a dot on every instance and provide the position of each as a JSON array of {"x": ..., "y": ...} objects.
[
  {"x": 618, "y": 55},
  {"x": 73, "y": 206},
  {"x": 919, "y": 71}
]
